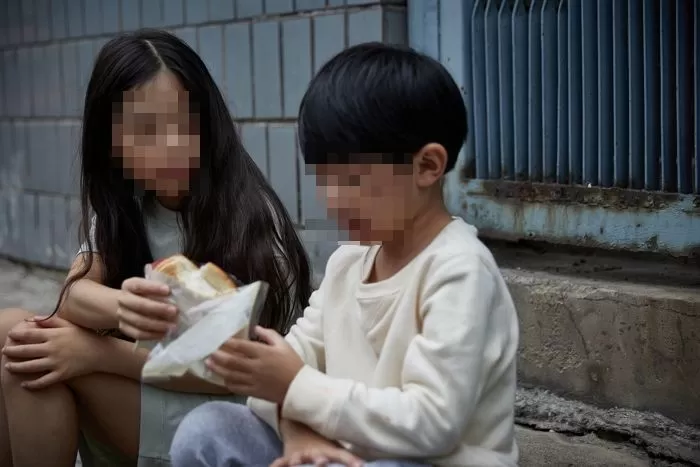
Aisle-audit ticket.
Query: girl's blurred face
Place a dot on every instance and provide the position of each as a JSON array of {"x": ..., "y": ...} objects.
[{"x": 156, "y": 136}]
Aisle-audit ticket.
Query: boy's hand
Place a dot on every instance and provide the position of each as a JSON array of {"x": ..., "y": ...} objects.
[
  {"x": 258, "y": 369},
  {"x": 318, "y": 455},
  {"x": 304, "y": 446}
]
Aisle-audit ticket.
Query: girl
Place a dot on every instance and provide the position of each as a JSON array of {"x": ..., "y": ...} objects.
[{"x": 163, "y": 171}]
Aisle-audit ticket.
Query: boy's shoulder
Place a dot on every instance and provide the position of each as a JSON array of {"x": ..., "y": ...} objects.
[{"x": 458, "y": 243}]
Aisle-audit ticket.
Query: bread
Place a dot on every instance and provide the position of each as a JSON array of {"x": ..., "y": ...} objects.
[{"x": 209, "y": 281}]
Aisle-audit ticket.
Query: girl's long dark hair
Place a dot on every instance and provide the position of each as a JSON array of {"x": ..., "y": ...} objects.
[{"x": 229, "y": 217}]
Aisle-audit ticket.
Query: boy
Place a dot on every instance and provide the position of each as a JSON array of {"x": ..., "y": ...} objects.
[{"x": 406, "y": 353}]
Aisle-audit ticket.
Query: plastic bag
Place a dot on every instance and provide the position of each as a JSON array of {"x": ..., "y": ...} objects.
[{"x": 203, "y": 326}]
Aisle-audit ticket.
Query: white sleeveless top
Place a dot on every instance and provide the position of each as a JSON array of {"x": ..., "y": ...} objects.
[{"x": 164, "y": 235}]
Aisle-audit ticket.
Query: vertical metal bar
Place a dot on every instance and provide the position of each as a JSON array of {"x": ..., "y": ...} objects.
[
  {"x": 548, "y": 17},
  {"x": 505, "y": 60},
  {"x": 493, "y": 124},
  {"x": 696, "y": 93},
  {"x": 621, "y": 93},
  {"x": 478, "y": 66},
  {"x": 575, "y": 93},
  {"x": 606, "y": 148},
  {"x": 684, "y": 88},
  {"x": 635, "y": 81},
  {"x": 453, "y": 55},
  {"x": 668, "y": 103},
  {"x": 469, "y": 150},
  {"x": 563, "y": 94},
  {"x": 520, "y": 89},
  {"x": 535, "y": 97},
  {"x": 652, "y": 106},
  {"x": 590, "y": 92}
]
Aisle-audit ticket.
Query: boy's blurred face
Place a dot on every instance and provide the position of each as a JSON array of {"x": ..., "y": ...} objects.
[{"x": 370, "y": 201}]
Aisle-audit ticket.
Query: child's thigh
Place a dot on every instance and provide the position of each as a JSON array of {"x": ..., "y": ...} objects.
[
  {"x": 225, "y": 434},
  {"x": 161, "y": 414},
  {"x": 384, "y": 463}
]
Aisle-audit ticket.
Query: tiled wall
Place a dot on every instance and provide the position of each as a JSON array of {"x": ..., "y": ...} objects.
[{"x": 262, "y": 53}]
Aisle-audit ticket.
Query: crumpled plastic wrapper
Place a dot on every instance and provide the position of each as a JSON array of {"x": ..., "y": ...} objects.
[{"x": 203, "y": 326}]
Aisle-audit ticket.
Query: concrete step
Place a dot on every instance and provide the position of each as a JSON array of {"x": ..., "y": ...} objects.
[{"x": 609, "y": 338}]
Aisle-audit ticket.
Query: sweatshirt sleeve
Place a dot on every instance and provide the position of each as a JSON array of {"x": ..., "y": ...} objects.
[
  {"x": 442, "y": 375},
  {"x": 306, "y": 337}
]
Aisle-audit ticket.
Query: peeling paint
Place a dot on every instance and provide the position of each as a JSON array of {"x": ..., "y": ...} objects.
[{"x": 608, "y": 218}]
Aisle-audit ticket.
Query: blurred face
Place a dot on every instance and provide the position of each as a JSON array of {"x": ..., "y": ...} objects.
[
  {"x": 156, "y": 136},
  {"x": 370, "y": 201}
]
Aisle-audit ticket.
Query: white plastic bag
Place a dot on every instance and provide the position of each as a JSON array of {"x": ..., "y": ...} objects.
[{"x": 203, "y": 326}]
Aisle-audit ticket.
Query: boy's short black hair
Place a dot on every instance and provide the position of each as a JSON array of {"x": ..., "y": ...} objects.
[{"x": 380, "y": 99}]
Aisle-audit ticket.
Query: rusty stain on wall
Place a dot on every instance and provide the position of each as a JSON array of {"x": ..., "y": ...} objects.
[
  {"x": 607, "y": 218},
  {"x": 609, "y": 198}
]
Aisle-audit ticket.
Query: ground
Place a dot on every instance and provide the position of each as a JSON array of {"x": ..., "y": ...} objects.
[{"x": 540, "y": 413}]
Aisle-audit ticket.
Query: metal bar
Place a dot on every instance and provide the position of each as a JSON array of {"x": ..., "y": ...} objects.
[
  {"x": 606, "y": 122},
  {"x": 575, "y": 97},
  {"x": 684, "y": 88},
  {"x": 520, "y": 90},
  {"x": 478, "y": 64},
  {"x": 548, "y": 17},
  {"x": 535, "y": 94},
  {"x": 505, "y": 61},
  {"x": 563, "y": 95},
  {"x": 590, "y": 92},
  {"x": 452, "y": 43},
  {"x": 696, "y": 93},
  {"x": 621, "y": 100},
  {"x": 652, "y": 106},
  {"x": 668, "y": 103},
  {"x": 469, "y": 150},
  {"x": 635, "y": 81},
  {"x": 492, "y": 91}
]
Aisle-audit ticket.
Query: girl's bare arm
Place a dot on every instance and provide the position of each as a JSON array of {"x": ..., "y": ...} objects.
[
  {"x": 88, "y": 303},
  {"x": 92, "y": 305},
  {"x": 124, "y": 358}
]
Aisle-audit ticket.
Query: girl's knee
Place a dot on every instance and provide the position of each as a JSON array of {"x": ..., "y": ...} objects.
[
  {"x": 14, "y": 320},
  {"x": 10, "y": 318},
  {"x": 15, "y": 326}
]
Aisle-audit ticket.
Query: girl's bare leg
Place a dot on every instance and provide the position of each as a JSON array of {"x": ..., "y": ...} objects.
[
  {"x": 8, "y": 319},
  {"x": 107, "y": 406}
]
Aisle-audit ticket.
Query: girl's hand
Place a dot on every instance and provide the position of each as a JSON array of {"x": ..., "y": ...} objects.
[
  {"x": 53, "y": 350},
  {"x": 143, "y": 312},
  {"x": 257, "y": 369}
]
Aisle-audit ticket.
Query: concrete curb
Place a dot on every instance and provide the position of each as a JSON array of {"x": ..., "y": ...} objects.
[
  {"x": 658, "y": 436},
  {"x": 610, "y": 343}
]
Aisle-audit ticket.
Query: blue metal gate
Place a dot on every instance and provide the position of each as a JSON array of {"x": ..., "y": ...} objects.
[{"x": 584, "y": 117}]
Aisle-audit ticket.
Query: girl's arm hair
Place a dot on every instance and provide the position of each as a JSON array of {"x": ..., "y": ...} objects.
[
  {"x": 120, "y": 357},
  {"x": 85, "y": 301}
]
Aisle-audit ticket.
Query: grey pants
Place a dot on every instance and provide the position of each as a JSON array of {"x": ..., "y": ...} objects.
[{"x": 224, "y": 434}]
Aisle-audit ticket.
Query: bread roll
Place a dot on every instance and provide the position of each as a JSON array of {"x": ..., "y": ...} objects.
[{"x": 209, "y": 281}]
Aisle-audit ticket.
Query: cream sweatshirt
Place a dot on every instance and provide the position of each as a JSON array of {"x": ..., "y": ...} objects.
[{"x": 420, "y": 366}]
